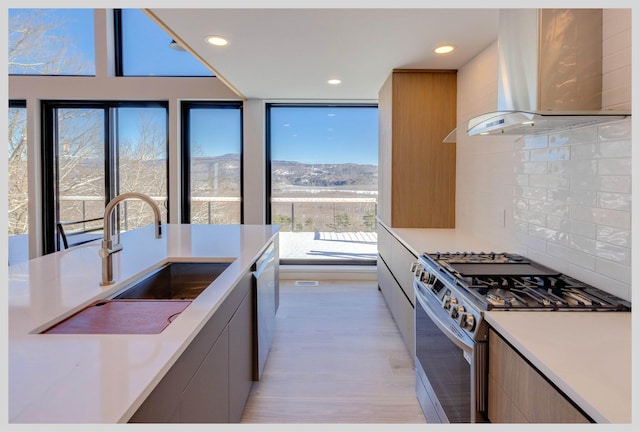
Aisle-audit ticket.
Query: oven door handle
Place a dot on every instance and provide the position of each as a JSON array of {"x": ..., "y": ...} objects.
[{"x": 454, "y": 336}]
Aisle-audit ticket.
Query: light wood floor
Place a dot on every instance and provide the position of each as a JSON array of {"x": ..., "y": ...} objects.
[{"x": 337, "y": 357}]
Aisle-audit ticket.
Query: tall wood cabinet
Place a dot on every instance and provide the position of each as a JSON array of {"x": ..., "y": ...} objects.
[
  {"x": 416, "y": 170},
  {"x": 416, "y": 176}
]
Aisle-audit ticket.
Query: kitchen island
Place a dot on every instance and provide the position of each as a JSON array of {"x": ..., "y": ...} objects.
[
  {"x": 586, "y": 355},
  {"x": 105, "y": 378}
]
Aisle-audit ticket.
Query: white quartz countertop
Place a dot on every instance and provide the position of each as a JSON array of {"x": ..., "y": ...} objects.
[
  {"x": 585, "y": 354},
  {"x": 420, "y": 240},
  {"x": 104, "y": 378}
]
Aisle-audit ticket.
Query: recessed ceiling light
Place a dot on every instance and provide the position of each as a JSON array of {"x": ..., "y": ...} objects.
[
  {"x": 444, "y": 49},
  {"x": 216, "y": 40},
  {"x": 334, "y": 81}
]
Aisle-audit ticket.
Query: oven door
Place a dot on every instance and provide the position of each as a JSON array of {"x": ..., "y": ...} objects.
[{"x": 443, "y": 362}]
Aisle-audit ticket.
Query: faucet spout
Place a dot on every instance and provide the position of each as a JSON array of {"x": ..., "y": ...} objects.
[{"x": 108, "y": 248}]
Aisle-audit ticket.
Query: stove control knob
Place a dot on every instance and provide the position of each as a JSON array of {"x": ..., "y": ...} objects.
[
  {"x": 418, "y": 273},
  {"x": 427, "y": 278},
  {"x": 454, "y": 304},
  {"x": 468, "y": 322},
  {"x": 457, "y": 311},
  {"x": 446, "y": 302},
  {"x": 414, "y": 267}
]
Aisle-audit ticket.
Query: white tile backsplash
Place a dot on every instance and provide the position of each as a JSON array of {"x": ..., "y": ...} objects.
[
  {"x": 614, "y": 201},
  {"x": 620, "y": 166},
  {"x": 567, "y": 195},
  {"x": 613, "y": 271},
  {"x": 615, "y": 183},
  {"x": 614, "y": 236}
]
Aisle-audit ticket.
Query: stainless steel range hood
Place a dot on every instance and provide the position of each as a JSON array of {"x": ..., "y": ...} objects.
[{"x": 549, "y": 73}]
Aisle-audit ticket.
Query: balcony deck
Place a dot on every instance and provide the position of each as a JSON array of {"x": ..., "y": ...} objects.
[{"x": 333, "y": 246}]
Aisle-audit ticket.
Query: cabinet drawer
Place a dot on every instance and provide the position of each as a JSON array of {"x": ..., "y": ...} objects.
[
  {"x": 401, "y": 260},
  {"x": 384, "y": 243},
  {"x": 515, "y": 387},
  {"x": 399, "y": 306}
]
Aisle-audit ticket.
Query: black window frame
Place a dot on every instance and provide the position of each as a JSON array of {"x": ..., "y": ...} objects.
[
  {"x": 119, "y": 49},
  {"x": 17, "y": 103},
  {"x": 49, "y": 151},
  {"x": 268, "y": 167},
  {"x": 185, "y": 151}
]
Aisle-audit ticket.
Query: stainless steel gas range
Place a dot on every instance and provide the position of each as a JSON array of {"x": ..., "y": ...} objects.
[{"x": 453, "y": 290}]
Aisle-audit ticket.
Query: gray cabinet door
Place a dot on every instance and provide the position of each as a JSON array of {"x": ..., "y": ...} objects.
[
  {"x": 240, "y": 358},
  {"x": 206, "y": 398},
  {"x": 211, "y": 381}
]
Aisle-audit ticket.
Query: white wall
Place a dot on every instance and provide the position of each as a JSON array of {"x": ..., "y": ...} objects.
[{"x": 563, "y": 199}]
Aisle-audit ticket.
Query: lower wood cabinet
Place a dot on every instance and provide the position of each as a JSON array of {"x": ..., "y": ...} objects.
[
  {"x": 518, "y": 393},
  {"x": 211, "y": 381}
]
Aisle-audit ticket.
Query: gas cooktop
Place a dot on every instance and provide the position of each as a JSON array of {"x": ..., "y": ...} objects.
[{"x": 510, "y": 282}]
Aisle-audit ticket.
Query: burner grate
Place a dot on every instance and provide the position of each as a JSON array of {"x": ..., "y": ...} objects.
[{"x": 509, "y": 281}]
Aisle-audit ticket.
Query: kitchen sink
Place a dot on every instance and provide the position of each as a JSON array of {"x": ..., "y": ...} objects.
[
  {"x": 175, "y": 281},
  {"x": 147, "y": 306}
]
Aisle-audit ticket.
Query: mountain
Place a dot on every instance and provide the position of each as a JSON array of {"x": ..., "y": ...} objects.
[{"x": 354, "y": 176}]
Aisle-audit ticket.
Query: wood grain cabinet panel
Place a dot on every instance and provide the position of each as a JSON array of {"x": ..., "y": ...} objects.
[
  {"x": 416, "y": 170},
  {"x": 518, "y": 393}
]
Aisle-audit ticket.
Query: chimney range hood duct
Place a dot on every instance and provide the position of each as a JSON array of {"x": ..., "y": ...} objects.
[{"x": 549, "y": 73}]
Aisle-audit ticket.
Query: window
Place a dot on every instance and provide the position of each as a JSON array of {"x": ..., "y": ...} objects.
[
  {"x": 212, "y": 167},
  {"x": 93, "y": 151},
  {"x": 144, "y": 49},
  {"x": 17, "y": 183},
  {"x": 323, "y": 181},
  {"x": 51, "y": 42}
]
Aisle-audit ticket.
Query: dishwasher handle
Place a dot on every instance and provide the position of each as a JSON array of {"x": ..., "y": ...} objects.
[{"x": 265, "y": 259}]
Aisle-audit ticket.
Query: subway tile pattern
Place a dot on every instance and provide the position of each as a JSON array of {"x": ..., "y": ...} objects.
[
  {"x": 572, "y": 197},
  {"x": 567, "y": 195}
]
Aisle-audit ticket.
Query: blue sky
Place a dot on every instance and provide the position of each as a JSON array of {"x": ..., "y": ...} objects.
[
  {"x": 309, "y": 135},
  {"x": 325, "y": 134}
]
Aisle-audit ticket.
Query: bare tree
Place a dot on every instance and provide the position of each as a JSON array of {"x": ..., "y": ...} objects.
[
  {"x": 17, "y": 172},
  {"x": 80, "y": 167},
  {"x": 37, "y": 46},
  {"x": 143, "y": 168}
]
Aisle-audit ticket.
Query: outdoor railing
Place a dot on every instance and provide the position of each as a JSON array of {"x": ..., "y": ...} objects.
[
  {"x": 294, "y": 203},
  {"x": 293, "y": 211},
  {"x": 83, "y": 199},
  {"x": 334, "y": 204}
]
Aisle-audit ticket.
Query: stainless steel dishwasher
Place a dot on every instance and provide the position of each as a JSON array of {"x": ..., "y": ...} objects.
[{"x": 265, "y": 291}]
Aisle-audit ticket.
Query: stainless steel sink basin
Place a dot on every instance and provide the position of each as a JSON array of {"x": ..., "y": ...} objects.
[
  {"x": 175, "y": 281},
  {"x": 148, "y": 305}
]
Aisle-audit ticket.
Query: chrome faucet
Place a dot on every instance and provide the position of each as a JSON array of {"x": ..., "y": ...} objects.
[{"x": 108, "y": 248}]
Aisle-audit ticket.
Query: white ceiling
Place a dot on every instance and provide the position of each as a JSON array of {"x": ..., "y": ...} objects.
[{"x": 291, "y": 53}]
